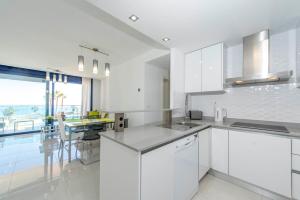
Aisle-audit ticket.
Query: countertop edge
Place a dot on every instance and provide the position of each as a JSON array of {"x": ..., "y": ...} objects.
[
  {"x": 188, "y": 133},
  {"x": 206, "y": 125},
  {"x": 121, "y": 143}
]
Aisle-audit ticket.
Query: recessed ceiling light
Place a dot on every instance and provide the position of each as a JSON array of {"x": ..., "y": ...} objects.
[
  {"x": 134, "y": 18},
  {"x": 166, "y": 39}
]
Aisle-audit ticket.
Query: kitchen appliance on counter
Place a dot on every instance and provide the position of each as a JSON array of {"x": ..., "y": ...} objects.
[
  {"x": 265, "y": 127},
  {"x": 220, "y": 114},
  {"x": 186, "y": 167},
  {"x": 195, "y": 114}
]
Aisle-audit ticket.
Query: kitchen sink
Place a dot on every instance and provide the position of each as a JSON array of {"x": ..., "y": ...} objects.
[
  {"x": 191, "y": 125},
  {"x": 180, "y": 126}
]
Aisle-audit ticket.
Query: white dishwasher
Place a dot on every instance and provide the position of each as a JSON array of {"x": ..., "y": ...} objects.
[{"x": 186, "y": 168}]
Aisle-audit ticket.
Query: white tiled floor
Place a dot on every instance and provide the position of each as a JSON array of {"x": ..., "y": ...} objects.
[
  {"x": 212, "y": 188},
  {"x": 30, "y": 170}
]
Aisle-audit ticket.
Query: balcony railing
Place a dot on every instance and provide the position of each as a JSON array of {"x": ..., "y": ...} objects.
[{"x": 20, "y": 118}]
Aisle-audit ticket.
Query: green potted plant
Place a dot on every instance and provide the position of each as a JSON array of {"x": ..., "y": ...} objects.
[{"x": 49, "y": 120}]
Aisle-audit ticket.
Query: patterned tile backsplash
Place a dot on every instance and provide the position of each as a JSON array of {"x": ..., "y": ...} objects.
[{"x": 269, "y": 103}]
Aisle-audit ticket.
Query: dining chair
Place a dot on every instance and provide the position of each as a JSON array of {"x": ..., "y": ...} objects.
[
  {"x": 93, "y": 114},
  {"x": 64, "y": 137}
]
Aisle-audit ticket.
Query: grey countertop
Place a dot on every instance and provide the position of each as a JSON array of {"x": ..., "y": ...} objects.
[{"x": 146, "y": 138}]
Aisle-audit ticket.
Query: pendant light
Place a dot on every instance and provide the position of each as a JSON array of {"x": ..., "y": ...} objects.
[
  {"x": 107, "y": 69},
  {"x": 65, "y": 79},
  {"x": 95, "y": 66},
  {"x": 60, "y": 78},
  {"x": 47, "y": 76},
  {"x": 54, "y": 78},
  {"x": 80, "y": 63}
]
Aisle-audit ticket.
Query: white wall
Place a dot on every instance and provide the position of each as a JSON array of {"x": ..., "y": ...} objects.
[
  {"x": 124, "y": 81},
  {"x": 154, "y": 77},
  {"x": 177, "y": 70},
  {"x": 271, "y": 103},
  {"x": 96, "y": 94},
  {"x": 298, "y": 55}
]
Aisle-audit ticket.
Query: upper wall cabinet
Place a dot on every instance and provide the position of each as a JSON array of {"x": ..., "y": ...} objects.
[
  {"x": 212, "y": 68},
  {"x": 193, "y": 75},
  {"x": 204, "y": 70}
]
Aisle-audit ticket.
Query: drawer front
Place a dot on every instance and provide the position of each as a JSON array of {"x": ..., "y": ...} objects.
[
  {"x": 296, "y": 186},
  {"x": 296, "y": 162},
  {"x": 296, "y": 146}
]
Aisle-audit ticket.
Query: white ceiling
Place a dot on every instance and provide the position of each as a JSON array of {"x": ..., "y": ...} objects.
[
  {"x": 192, "y": 24},
  {"x": 162, "y": 62},
  {"x": 46, "y": 33}
]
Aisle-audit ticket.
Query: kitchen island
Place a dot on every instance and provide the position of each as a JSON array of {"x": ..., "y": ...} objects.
[
  {"x": 139, "y": 163},
  {"x": 141, "y": 160}
]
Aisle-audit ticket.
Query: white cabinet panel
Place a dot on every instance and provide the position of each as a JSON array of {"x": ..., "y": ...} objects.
[
  {"x": 212, "y": 68},
  {"x": 296, "y": 163},
  {"x": 157, "y": 170},
  {"x": 119, "y": 166},
  {"x": 177, "y": 93},
  {"x": 262, "y": 160},
  {"x": 219, "y": 150},
  {"x": 193, "y": 72},
  {"x": 296, "y": 146},
  {"x": 204, "y": 152},
  {"x": 296, "y": 186}
]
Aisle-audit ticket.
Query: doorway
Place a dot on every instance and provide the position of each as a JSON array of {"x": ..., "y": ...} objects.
[{"x": 166, "y": 98}]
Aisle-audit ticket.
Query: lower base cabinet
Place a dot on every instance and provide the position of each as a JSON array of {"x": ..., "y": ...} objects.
[
  {"x": 157, "y": 174},
  {"x": 219, "y": 150},
  {"x": 296, "y": 186},
  {"x": 262, "y": 160},
  {"x": 204, "y": 152}
]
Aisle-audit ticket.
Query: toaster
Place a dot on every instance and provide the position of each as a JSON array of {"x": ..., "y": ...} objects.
[{"x": 195, "y": 114}]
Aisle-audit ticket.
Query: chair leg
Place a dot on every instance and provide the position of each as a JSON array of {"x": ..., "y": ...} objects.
[
  {"x": 77, "y": 145},
  {"x": 76, "y": 150},
  {"x": 61, "y": 148}
]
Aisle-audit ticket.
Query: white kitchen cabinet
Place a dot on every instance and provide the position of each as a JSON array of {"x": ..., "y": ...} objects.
[
  {"x": 204, "y": 152},
  {"x": 177, "y": 90},
  {"x": 296, "y": 162},
  {"x": 157, "y": 173},
  {"x": 219, "y": 150},
  {"x": 296, "y": 186},
  {"x": 193, "y": 72},
  {"x": 212, "y": 68},
  {"x": 204, "y": 69},
  {"x": 260, "y": 159},
  {"x": 119, "y": 166},
  {"x": 296, "y": 146}
]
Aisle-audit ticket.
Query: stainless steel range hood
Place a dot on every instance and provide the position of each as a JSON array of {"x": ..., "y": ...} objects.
[{"x": 256, "y": 67}]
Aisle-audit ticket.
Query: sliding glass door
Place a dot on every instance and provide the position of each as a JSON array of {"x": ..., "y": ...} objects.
[
  {"x": 28, "y": 101},
  {"x": 22, "y": 104},
  {"x": 67, "y": 99}
]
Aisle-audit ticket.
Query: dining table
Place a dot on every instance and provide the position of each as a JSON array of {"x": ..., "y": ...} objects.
[{"x": 75, "y": 125}]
